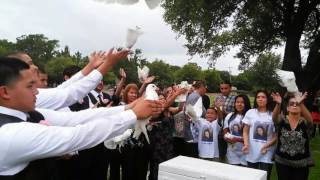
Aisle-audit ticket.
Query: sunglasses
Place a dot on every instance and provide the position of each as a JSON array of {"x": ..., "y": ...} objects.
[{"x": 294, "y": 103}]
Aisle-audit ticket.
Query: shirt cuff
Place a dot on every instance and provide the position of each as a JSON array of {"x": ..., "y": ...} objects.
[
  {"x": 78, "y": 75},
  {"x": 95, "y": 74},
  {"x": 129, "y": 116}
]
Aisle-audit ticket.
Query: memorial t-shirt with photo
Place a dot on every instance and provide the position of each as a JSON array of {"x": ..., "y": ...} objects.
[
  {"x": 261, "y": 131},
  {"x": 234, "y": 151},
  {"x": 207, "y": 138}
]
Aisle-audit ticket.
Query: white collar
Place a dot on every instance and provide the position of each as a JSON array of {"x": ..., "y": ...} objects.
[
  {"x": 95, "y": 93},
  {"x": 13, "y": 112}
]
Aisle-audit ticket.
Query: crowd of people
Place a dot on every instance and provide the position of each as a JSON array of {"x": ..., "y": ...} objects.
[{"x": 67, "y": 132}]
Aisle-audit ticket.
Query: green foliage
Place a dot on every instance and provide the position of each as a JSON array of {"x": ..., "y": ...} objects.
[
  {"x": 189, "y": 72},
  {"x": 6, "y": 47},
  {"x": 162, "y": 72},
  {"x": 262, "y": 72},
  {"x": 213, "y": 79},
  {"x": 55, "y": 67},
  {"x": 39, "y": 47},
  {"x": 110, "y": 78},
  {"x": 243, "y": 81}
]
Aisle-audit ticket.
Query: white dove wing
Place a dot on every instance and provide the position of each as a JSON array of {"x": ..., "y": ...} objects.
[
  {"x": 132, "y": 37},
  {"x": 183, "y": 97},
  {"x": 191, "y": 112},
  {"x": 152, "y": 3},
  {"x": 140, "y": 126},
  {"x": 288, "y": 80},
  {"x": 127, "y": 2},
  {"x": 140, "y": 74},
  {"x": 145, "y": 72}
]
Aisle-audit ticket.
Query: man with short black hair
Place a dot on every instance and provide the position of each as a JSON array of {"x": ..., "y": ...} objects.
[
  {"x": 27, "y": 137},
  {"x": 225, "y": 101}
]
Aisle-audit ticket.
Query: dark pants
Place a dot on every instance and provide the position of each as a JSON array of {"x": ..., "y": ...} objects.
[
  {"x": 154, "y": 168},
  {"x": 134, "y": 163},
  {"x": 314, "y": 130},
  {"x": 113, "y": 162},
  {"x": 262, "y": 166},
  {"x": 289, "y": 173},
  {"x": 92, "y": 164},
  {"x": 181, "y": 147}
]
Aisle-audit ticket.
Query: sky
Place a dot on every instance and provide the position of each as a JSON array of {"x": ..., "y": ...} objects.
[{"x": 90, "y": 25}]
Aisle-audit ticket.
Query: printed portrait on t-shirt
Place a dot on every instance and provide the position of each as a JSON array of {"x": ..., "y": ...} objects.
[
  {"x": 236, "y": 130},
  {"x": 207, "y": 134},
  {"x": 179, "y": 125},
  {"x": 260, "y": 131}
]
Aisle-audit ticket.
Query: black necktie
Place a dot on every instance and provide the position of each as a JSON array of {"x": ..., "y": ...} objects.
[{"x": 100, "y": 100}]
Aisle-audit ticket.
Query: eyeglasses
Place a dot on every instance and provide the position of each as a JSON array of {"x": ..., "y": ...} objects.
[{"x": 294, "y": 103}]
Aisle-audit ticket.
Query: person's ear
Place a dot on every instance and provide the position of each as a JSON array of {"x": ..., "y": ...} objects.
[{"x": 4, "y": 94}]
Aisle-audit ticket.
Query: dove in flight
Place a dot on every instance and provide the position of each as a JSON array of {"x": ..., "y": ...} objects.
[
  {"x": 143, "y": 73},
  {"x": 191, "y": 113},
  {"x": 183, "y": 97}
]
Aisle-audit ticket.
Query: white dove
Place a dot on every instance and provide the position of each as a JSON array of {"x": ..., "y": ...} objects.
[
  {"x": 191, "y": 113},
  {"x": 288, "y": 80},
  {"x": 150, "y": 3},
  {"x": 143, "y": 73},
  {"x": 132, "y": 36},
  {"x": 140, "y": 126},
  {"x": 183, "y": 97},
  {"x": 118, "y": 140}
]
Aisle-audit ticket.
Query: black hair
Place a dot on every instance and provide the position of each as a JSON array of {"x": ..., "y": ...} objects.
[
  {"x": 71, "y": 70},
  {"x": 198, "y": 84},
  {"x": 270, "y": 103},
  {"x": 10, "y": 70},
  {"x": 247, "y": 106},
  {"x": 226, "y": 82}
]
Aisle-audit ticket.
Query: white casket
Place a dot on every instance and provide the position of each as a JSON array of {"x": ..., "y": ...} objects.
[{"x": 186, "y": 168}]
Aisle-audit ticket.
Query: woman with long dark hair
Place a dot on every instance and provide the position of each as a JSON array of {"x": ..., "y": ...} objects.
[
  {"x": 259, "y": 150},
  {"x": 233, "y": 130}
]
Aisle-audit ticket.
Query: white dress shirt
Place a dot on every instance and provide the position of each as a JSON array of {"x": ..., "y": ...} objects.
[
  {"x": 23, "y": 142},
  {"x": 68, "y": 94},
  {"x": 73, "y": 79},
  {"x": 95, "y": 95}
]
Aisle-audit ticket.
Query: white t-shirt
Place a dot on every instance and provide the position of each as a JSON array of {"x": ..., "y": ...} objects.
[
  {"x": 261, "y": 131},
  {"x": 234, "y": 151},
  {"x": 208, "y": 138}
]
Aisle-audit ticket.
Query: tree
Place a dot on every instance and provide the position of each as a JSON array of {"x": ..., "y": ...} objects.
[
  {"x": 243, "y": 81},
  {"x": 55, "y": 67},
  {"x": 213, "y": 27},
  {"x": 189, "y": 72},
  {"x": 213, "y": 79},
  {"x": 6, "y": 47},
  {"x": 262, "y": 72},
  {"x": 39, "y": 47},
  {"x": 162, "y": 72}
]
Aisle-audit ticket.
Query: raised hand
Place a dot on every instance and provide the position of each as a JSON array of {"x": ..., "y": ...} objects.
[
  {"x": 122, "y": 73},
  {"x": 180, "y": 91},
  {"x": 303, "y": 97},
  {"x": 149, "y": 79},
  {"x": 96, "y": 59},
  {"x": 276, "y": 98},
  {"x": 112, "y": 57},
  {"x": 147, "y": 108}
]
